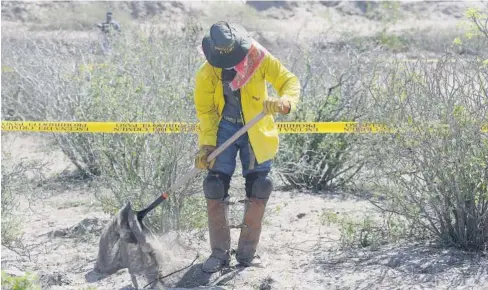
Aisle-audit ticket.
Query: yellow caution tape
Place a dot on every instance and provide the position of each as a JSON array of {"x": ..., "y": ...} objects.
[
  {"x": 178, "y": 127},
  {"x": 330, "y": 127},
  {"x": 98, "y": 127}
]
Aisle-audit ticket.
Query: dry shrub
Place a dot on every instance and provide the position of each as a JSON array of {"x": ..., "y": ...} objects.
[
  {"x": 19, "y": 180},
  {"x": 475, "y": 38},
  {"x": 148, "y": 81},
  {"x": 143, "y": 79},
  {"x": 332, "y": 91},
  {"x": 434, "y": 170},
  {"x": 431, "y": 171},
  {"x": 11, "y": 221}
]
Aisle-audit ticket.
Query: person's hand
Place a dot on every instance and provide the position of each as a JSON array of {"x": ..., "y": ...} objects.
[
  {"x": 202, "y": 156},
  {"x": 274, "y": 105}
]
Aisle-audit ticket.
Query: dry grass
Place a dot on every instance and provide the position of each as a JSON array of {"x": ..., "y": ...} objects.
[{"x": 442, "y": 176}]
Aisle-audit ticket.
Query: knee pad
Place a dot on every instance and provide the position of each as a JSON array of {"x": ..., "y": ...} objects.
[
  {"x": 259, "y": 185},
  {"x": 216, "y": 186}
]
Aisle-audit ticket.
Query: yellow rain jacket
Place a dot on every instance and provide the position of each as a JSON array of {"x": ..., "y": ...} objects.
[{"x": 209, "y": 104}]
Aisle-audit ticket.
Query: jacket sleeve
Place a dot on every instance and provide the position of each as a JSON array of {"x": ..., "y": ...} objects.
[
  {"x": 206, "y": 109},
  {"x": 283, "y": 81}
]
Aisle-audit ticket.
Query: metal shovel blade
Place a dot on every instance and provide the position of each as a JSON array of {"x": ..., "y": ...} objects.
[{"x": 113, "y": 240}]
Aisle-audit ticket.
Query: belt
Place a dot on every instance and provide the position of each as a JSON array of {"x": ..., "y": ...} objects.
[{"x": 232, "y": 120}]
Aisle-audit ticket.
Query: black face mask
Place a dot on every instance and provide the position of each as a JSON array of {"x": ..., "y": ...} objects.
[{"x": 228, "y": 75}]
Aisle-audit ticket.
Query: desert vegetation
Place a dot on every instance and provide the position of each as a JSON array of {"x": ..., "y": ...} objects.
[{"x": 425, "y": 180}]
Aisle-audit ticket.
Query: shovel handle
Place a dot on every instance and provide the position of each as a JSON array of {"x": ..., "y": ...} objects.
[
  {"x": 195, "y": 171},
  {"x": 236, "y": 136}
]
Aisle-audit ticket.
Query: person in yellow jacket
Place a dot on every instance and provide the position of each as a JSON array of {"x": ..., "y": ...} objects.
[{"x": 230, "y": 90}]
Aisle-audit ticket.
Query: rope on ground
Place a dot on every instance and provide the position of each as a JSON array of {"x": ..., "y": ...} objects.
[{"x": 172, "y": 273}]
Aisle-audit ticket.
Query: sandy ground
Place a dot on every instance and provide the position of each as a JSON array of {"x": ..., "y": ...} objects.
[
  {"x": 61, "y": 234},
  {"x": 268, "y": 21},
  {"x": 62, "y": 227}
]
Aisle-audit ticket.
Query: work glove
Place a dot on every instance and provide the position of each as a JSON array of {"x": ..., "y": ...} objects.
[
  {"x": 202, "y": 155},
  {"x": 275, "y": 105}
]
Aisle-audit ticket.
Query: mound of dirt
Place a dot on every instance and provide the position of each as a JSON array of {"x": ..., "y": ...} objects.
[
  {"x": 84, "y": 227},
  {"x": 265, "y": 5},
  {"x": 54, "y": 279},
  {"x": 32, "y": 11}
]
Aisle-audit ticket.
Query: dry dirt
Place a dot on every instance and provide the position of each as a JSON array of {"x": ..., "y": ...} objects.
[{"x": 62, "y": 227}]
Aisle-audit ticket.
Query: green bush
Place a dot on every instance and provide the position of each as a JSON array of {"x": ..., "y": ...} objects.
[
  {"x": 370, "y": 230},
  {"x": 27, "y": 282}
]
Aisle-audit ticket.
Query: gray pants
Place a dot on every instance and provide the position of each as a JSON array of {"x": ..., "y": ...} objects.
[{"x": 105, "y": 45}]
